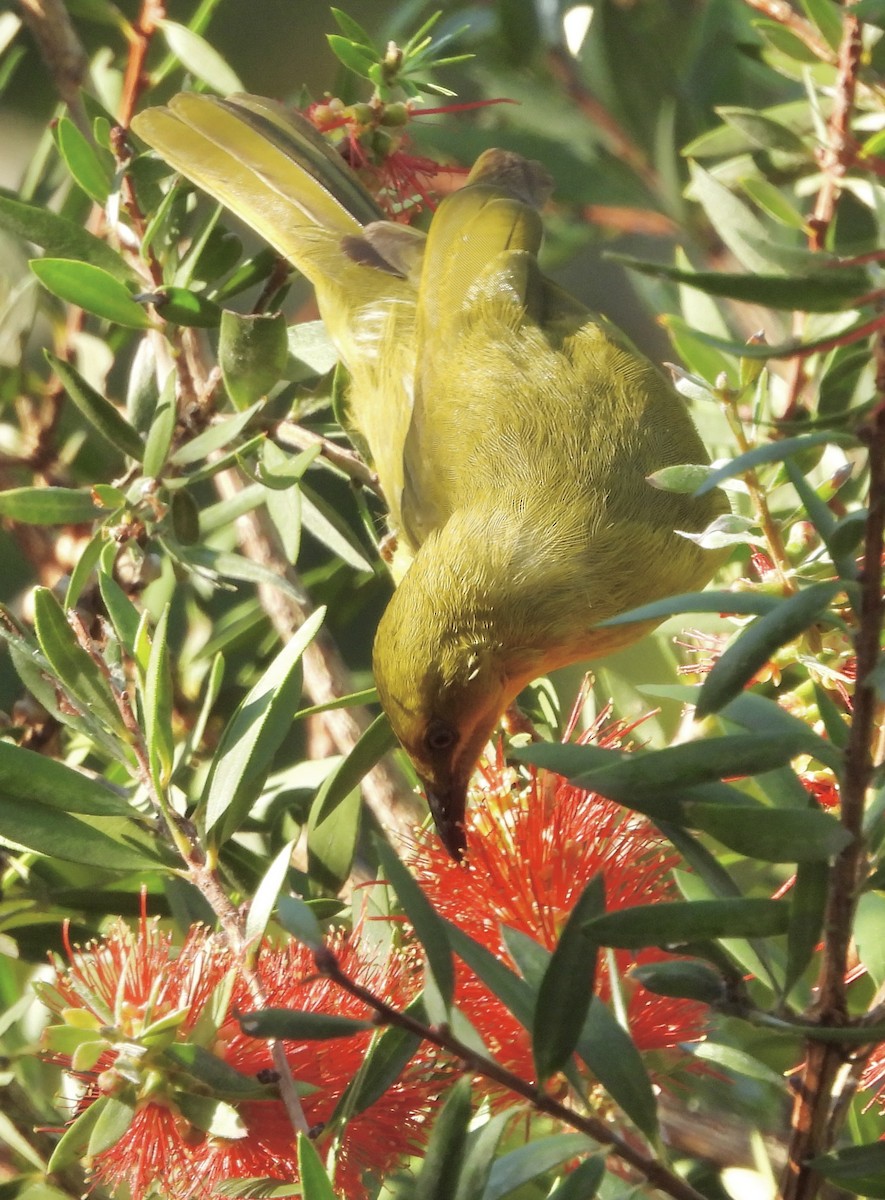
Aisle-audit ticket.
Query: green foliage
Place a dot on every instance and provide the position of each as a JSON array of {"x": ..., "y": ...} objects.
[{"x": 194, "y": 580}]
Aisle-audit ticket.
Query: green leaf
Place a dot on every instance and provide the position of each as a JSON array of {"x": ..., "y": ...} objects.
[
  {"x": 215, "y": 1117},
  {"x": 819, "y": 292},
  {"x": 74, "y": 667},
  {"x": 183, "y": 306},
  {"x": 827, "y": 16},
  {"x": 353, "y": 56},
  {"x": 764, "y": 132},
  {"x": 786, "y": 42},
  {"x": 333, "y": 823},
  {"x": 321, "y": 520},
  {"x": 59, "y": 237},
  {"x": 567, "y": 987},
  {"x": 808, "y": 902},
  {"x": 298, "y": 918},
  {"x": 771, "y": 834},
  {"x": 684, "y": 479},
  {"x": 513, "y": 992},
  {"x": 26, "y": 777},
  {"x": 84, "y": 568},
  {"x": 610, "y": 1053},
  {"x": 353, "y": 30},
  {"x": 292, "y": 1024},
  {"x": 767, "y": 717},
  {"x": 582, "y": 1183},
  {"x": 98, "y": 411},
  {"x": 122, "y": 612},
  {"x": 158, "y": 705},
  {"x": 444, "y": 1156},
  {"x": 385, "y": 1061},
  {"x": 111, "y": 843},
  {"x": 430, "y": 930},
  {"x": 672, "y": 923},
  {"x": 759, "y": 641},
  {"x": 159, "y": 436},
  {"x": 252, "y": 354},
  {"x": 72, "y": 1145},
  {"x": 687, "y": 979},
  {"x": 201, "y": 59},
  {"x": 254, "y": 734},
  {"x": 90, "y": 288},
  {"x": 626, "y": 775},
  {"x": 315, "y": 1183},
  {"x": 218, "y": 435},
  {"x": 114, "y": 1119},
  {"x": 91, "y": 168},
  {"x": 771, "y": 452},
  {"x": 526, "y": 1163},
  {"x": 266, "y": 894},
  {"x": 479, "y": 1157},
  {"x": 48, "y": 506},
  {"x": 748, "y": 238},
  {"x": 739, "y": 603},
  {"x": 859, "y": 1169},
  {"x": 223, "y": 1080}
]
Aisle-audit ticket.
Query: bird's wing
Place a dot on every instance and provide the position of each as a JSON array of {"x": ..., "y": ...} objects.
[
  {"x": 479, "y": 284},
  {"x": 274, "y": 170}
]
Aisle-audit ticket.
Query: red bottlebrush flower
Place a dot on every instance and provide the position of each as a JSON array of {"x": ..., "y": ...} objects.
[
  {"x": 373, "y": 139},
  {"x": 532, "y": 848},
  {"x": 129, "y": 998}
]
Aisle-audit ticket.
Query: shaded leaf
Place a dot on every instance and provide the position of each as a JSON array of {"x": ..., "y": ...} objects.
[
  {"x": 674, "y": 922},
  {"x": 29, "y": 777},
  {"x": 444, "y": 1156},
  {"x": 430, "y": 929},
  {"x": 315, "y": 1183},
  {"x": 759, "y": 641},
  {"x": 567, "y": 987},
  {"x": 526, "y": 1163},
  {"x": 59, "y": 237},
  {"x": 611, "y": 1054},
  {"x": 292, "y": 1024}
]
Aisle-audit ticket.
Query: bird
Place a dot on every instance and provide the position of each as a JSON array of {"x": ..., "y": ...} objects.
[{"x": 513, "y": 430}]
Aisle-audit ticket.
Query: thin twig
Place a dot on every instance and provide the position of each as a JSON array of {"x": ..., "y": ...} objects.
[
  {"x": 339, "y": 456},
  {"x": 813, "y": 1128},
  {"x": 653, "y": 1171},
  {"x": 62, "y": 52},
  {"x": 835, "y": 158}
]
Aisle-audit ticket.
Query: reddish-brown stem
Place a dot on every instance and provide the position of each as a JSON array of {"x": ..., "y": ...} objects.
[
  {"x": 653, "y": 1171},
  {"x": 135, "y": 80},
  {"x": 813, "y": 1128}
]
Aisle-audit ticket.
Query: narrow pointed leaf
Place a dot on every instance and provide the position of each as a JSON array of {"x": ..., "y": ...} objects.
[
  {"x": 255, "y": 732},
  {"x": 158, "y": 705},
  {"x": 114, "y": 1119},
  {"x": 90, "y": 288},
  {"x": 60, "y": 237},
  {"x": 513, "y": 992},
  {"x": 610, "y": 1053},
  {"x": 444, "y": 1156},
  {"x": 49, "y": 506},
  {"x": 526, "y": 1163},
  {"x": 819, "y": 292},
  {"x": 430, "y": 928},
  {"x": 759, "y": 641},
  {"x": 333, "y": 823},
  {"x": 91, "y": 168},
  {"x": 266, "y": 895},
  {"x": 678, "y": 921},
  {"x": 771, "y": 452},
  {"x": 73, "y": 666},
  {"x": 315, "y": 1183},
  {"x": 740, "y": 603},
  {"x": 291, "y": 1024},
  {"x": 567, "y": 987},
  {"x": 98, "y": 411},
  {"x": 29, "y": 777}
]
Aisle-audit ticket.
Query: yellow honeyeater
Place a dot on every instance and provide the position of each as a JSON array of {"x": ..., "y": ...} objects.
[{"x": 512, "y": 429}]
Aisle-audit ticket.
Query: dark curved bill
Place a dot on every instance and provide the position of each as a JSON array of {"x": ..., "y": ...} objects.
[{"x": 447, "y": 809}]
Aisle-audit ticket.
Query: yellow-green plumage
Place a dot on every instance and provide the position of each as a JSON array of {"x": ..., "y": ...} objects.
[{"x": 512, "y": 429}]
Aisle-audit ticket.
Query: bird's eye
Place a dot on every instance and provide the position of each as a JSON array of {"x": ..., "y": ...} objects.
[{"x": 439, "y": 737}]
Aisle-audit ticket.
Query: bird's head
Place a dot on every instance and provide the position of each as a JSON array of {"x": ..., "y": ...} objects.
[{"x": 443, "y": 683}]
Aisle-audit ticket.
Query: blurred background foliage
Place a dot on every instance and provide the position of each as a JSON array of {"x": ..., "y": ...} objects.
[{"x": 607, "y": 97}]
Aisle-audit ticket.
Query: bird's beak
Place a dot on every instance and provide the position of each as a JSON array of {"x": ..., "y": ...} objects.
[{"x": 448, "y": 807}]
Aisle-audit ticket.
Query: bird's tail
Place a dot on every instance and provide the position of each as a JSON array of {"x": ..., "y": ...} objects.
[{"x": 271, "y": 168}]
